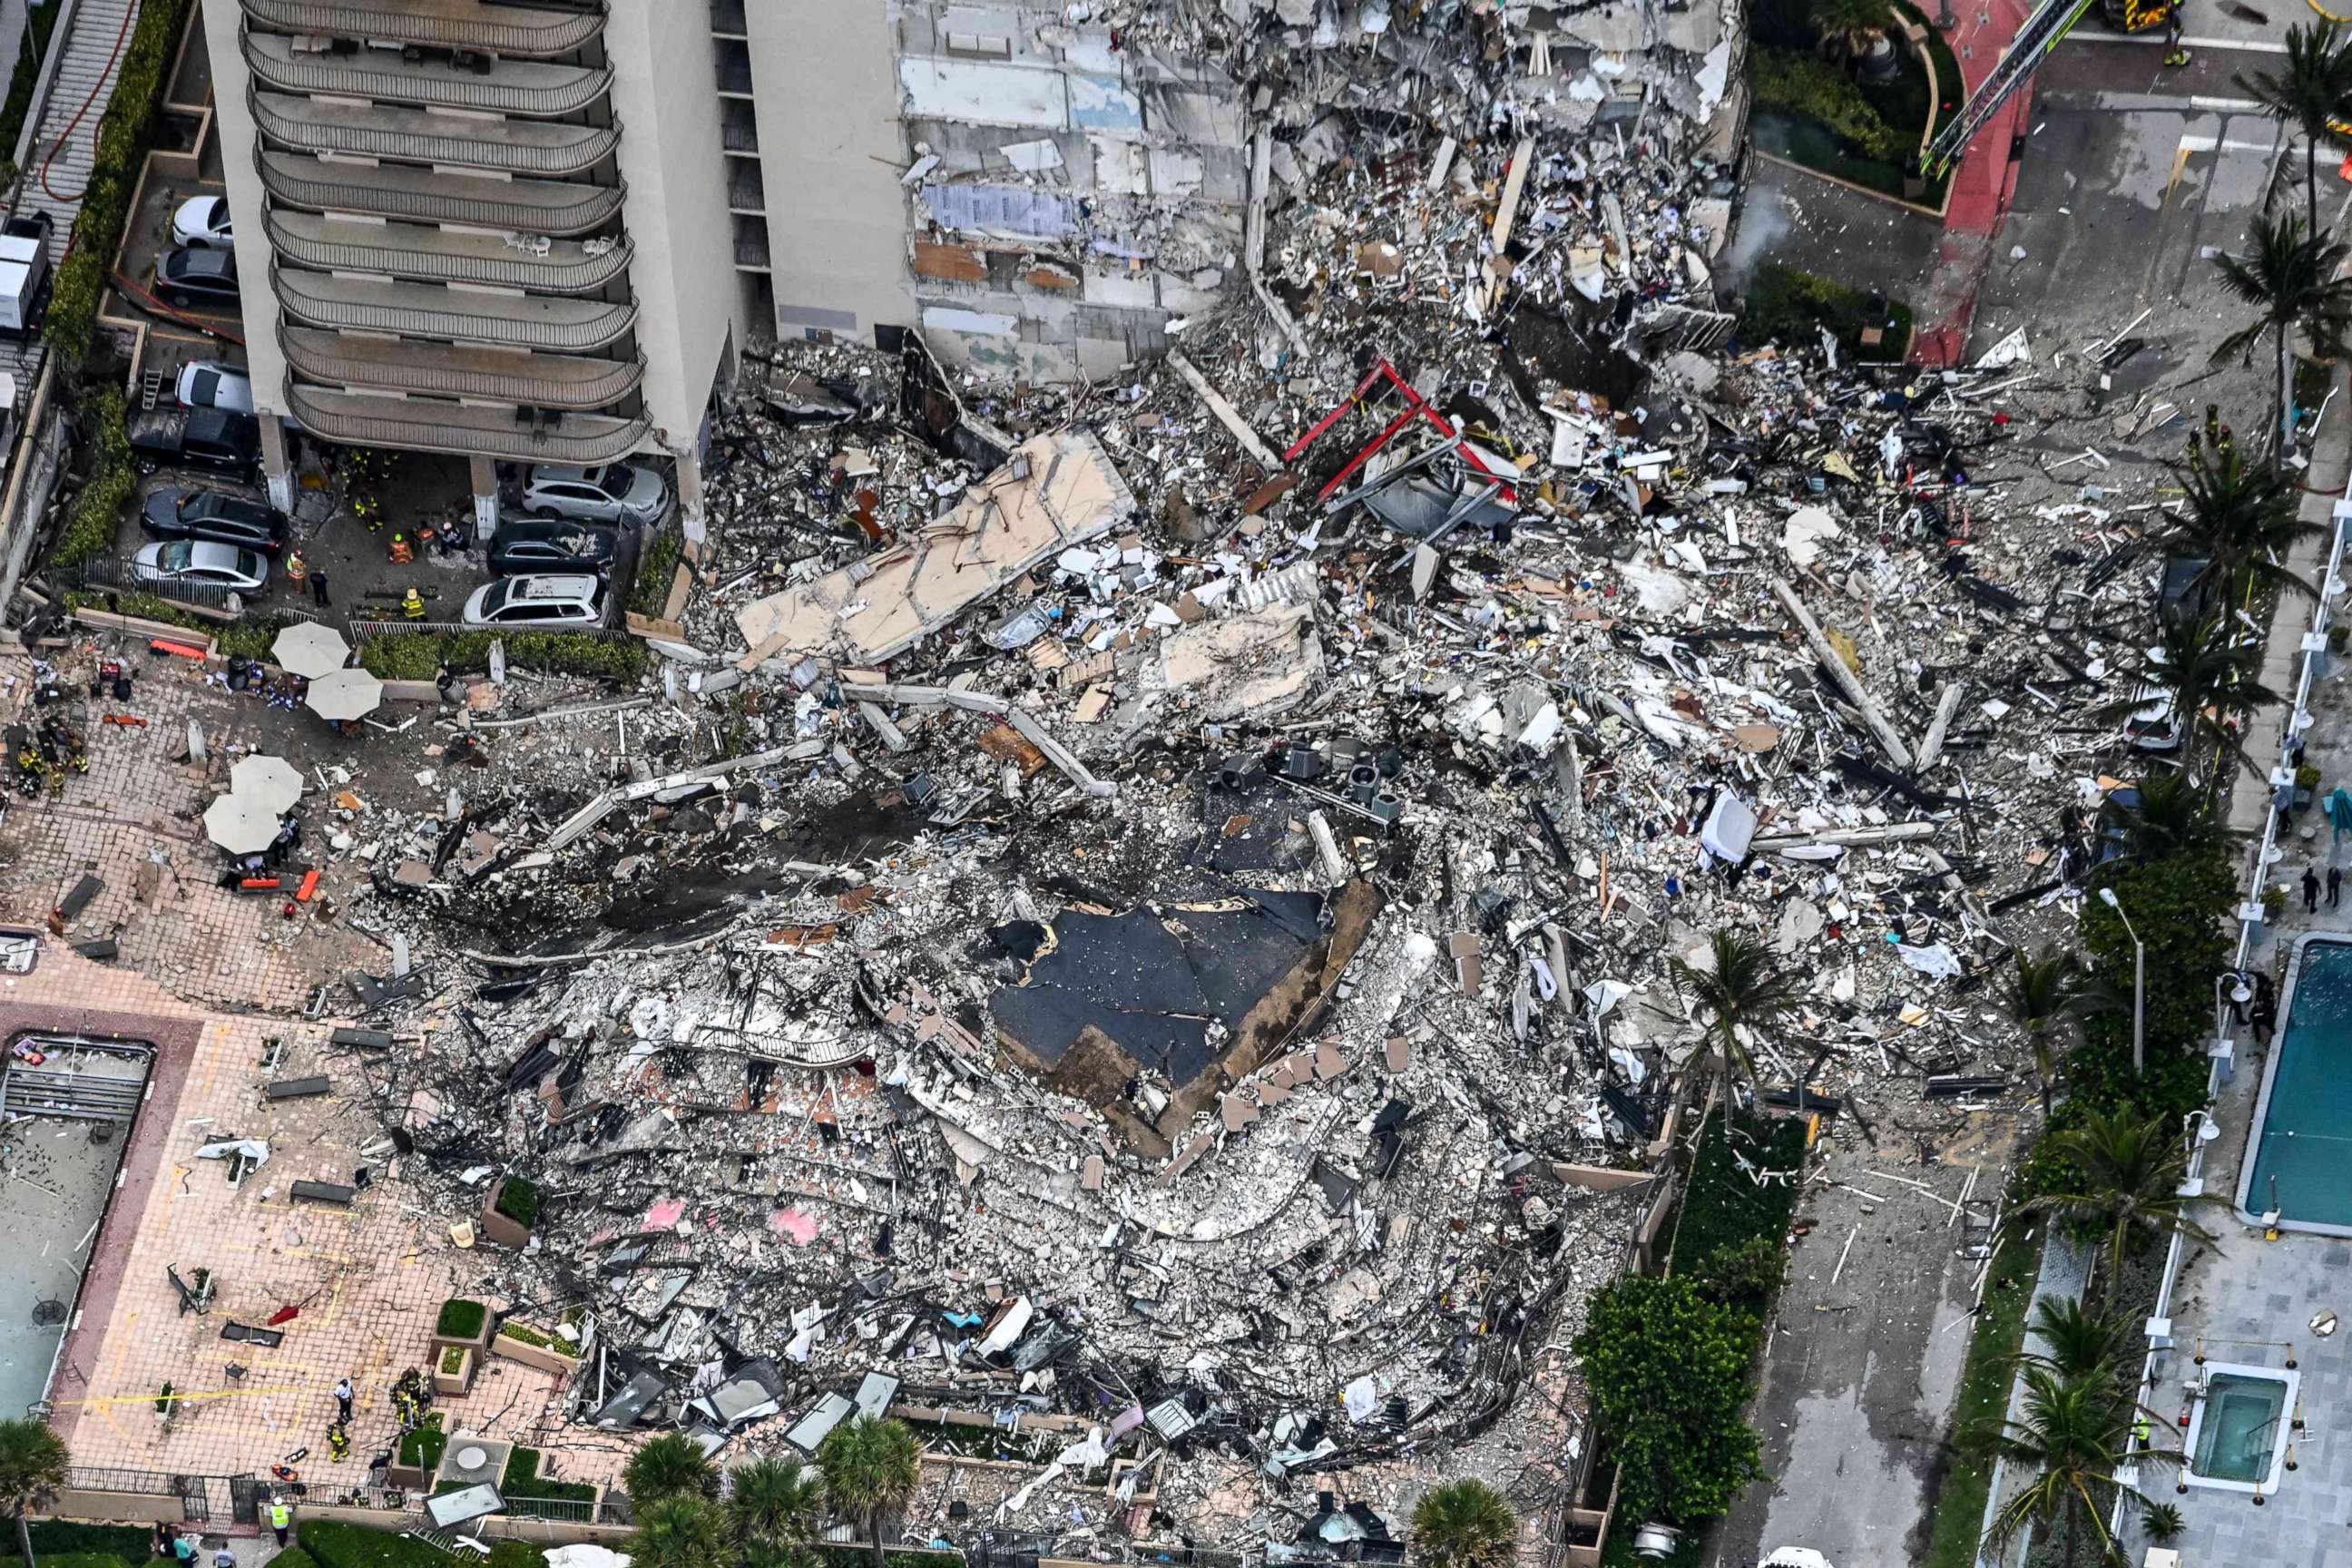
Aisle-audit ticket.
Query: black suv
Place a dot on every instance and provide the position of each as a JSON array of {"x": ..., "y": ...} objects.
[
  {"x": 528, "y": 544},
  {"x": 183, "y": 511}
]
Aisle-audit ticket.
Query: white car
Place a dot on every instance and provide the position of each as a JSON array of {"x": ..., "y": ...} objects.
[
  {"x": 208, "y": 384},
  {"x": 616, "y": 492},
  {"x": 554, "y": 603},
  {"x": 202, "y": 222},
  {"x": 202, "y": 560}
]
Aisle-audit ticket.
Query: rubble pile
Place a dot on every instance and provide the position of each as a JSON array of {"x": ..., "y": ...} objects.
[{"x": 1134, "y": 928}]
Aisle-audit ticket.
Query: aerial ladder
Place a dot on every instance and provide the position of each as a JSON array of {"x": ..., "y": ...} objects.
[{"x": 2050, "y": 23}]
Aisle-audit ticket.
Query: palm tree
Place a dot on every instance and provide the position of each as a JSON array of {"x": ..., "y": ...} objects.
[
  {"x": 33, "y": 1462},
  {"x": 670, "y": 1465},
  {"x": 2207, "y": 672},
  {"x": 2296, "y": 277},
  {"x": 679, "y": 1530},
  {"x": 772, "y": 1502},
  {"x": 2126, "y": 1175},
  {"x": 871, "y": 1468},
  {"x": 2073, "y": 1436},
  {"x": 1465, "y": 1524},
  {"x": 1743, "y": 989},
  {"x": 2080, "y": 1344},
  {"x": 2243, "y": 519},
  {"x": 1849, "y": 28},
  {"x": 2313, "y": 95},
  {"x": 2171, "y": 815},
  {"x": 2039, "y": 998}
]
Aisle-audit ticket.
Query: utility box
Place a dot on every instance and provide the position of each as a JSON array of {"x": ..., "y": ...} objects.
[{"x": 24, "y": 273}]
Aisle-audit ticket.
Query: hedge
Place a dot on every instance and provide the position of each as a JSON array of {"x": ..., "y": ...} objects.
[
  {"x": 405, "y": 655},
  {"x": 90, "y": 525},
  {"x": 83, "y": 1559},
  {"x": 334, "y": 1544},
  {"x": 1722, "y": 1210},
  {"x": 523, "y": 1479},
  {"x": 656, "y": 568},
  {"x": 58, "y": 1537},
  {"x": 461, "y": 1318},
  {"x": 1807, "y": 85},
  {"x": 124, "y": 134}
]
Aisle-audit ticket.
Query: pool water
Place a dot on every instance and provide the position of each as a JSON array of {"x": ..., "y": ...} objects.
[
  {"x": 2302, "y": 1163},
  {"x": 2240, "y": 1429}
]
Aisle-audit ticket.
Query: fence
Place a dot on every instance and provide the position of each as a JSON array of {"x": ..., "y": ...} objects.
[
  {"x": 201, "y": 1498},
  {"x": 105, "y": 571}
]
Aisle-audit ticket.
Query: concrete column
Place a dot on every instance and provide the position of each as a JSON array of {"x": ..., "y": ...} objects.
[
  {"x": 275, "y": 468},
  {"x": 689, "y": 501},
  {"x": 484, "y": 475}
]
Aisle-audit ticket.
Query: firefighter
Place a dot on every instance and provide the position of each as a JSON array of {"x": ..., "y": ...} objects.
[
  {"x": 402, "y": 556},
  {"x": 338, "y": 1444},
  {"x": 411, "y": 605},
  {"x": 296, "y": 569},
  {"x": 2174, "y": 55}
]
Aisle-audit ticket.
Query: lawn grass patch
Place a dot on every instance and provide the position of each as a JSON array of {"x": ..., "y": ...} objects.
[
  {"x": 334, "y": 1544},
  {"x": 523, "y": 1479},
  {"x": 421, "y": 1446},
  {"x": 461, "y": 1318},
  {"x": 518, "y": 1201},
  {"x": 1957, "y": 1503},
  {"x": 1793, "y": 306}
]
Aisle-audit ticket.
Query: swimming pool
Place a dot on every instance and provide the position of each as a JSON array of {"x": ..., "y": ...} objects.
[
  {"x": 2237, "y": 1437},
  {"x": 2299, "y": 1159}
]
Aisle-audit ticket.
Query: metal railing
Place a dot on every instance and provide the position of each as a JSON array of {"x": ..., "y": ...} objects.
[
  {"x": 108, "y": 573},
  {"x": 371, "y": 75},
  {"x": 510, "y": 30},
  {"x": 311, "y": 298},
  {"x": 337, "y": 360},
  {"x": 566, "y": 442},
  {"x": 576, "y": 272},
  {"x": 527, "y": 147},
  {"x": 539, "y": 207}
]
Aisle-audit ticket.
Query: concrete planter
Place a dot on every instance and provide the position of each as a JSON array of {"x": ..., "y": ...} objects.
[
  {"x": 547, "y": 1358},
  {"x": 452, "y": 1384},
  {"x": 408, "y": 1478},
  {"x": 475, "y": 1342},
  {"x": 497, "y": 1228}
]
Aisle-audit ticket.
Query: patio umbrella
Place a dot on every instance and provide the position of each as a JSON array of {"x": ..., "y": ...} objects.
[
  {"x": 341, "y": 694},
  {"x": 309, "y": 650},
  {"x": 2338, "y": 807},
  {"x": 240, "y": 825},
  {"x": 270, "y": 783}
]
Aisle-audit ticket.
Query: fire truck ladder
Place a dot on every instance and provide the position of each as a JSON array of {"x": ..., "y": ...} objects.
[{"x": 2052, "y": 21}]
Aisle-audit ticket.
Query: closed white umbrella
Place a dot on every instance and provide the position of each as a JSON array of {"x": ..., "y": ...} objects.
[
  {"x": 343, "y": 694},
  {"x": 270, "y": 783},
  {"x": 240, "y": 826},
  {"x": 308, "y": 649}
]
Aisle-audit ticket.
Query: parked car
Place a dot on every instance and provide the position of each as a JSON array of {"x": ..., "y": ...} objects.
[
  {"x": 2153, "y": 724},
  {"x": 208, "y": 384},
  {"x": 187, "y": 511},
  {"x": 616, "y": 492},
  {"x": 528, "y": 544},
  {"x": 197, "y": 437},
  {"x": 201, "y": 561},
  {"x": 188, "y": 277},
  {"x": 556, "y": 603},
  {"x": 202, "y": 222}
]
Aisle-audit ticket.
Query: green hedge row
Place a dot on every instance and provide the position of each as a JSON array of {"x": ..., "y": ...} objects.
[
  {"x": 124, "y": 134},
  {"x": 57, "y": 1537},
  {"x": 416, "y": 657},
  {"x": 334, "y": 1544},
  {"x": 91, "y": 522},
  {"x": 657, "y": 567}
]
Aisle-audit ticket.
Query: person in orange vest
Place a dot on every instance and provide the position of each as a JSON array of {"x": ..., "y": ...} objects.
[
  {"x": 401, "y": 555},
  {"x": 296, "y": 569}
]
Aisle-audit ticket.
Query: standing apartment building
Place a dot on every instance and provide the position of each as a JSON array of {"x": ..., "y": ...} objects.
[{"x": 540, "y": 232}]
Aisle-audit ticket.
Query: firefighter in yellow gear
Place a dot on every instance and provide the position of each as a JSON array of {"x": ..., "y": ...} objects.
[
  {"x": 401, "y": 553},
  {"x": 296, "y": 569},
  {"x": 411, "y": 605}
]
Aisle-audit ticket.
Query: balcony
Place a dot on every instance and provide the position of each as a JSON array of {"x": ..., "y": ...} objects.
[
  {"x": 727, "y": 19},
  {"x": 416, "y": 425},
  {"x": 752, "y": 244},
  {"x": 747, "y": 191},
  {"x": 447, "y": 370},
  {"x": 518, "y": 30},
  {"x": 525, "y": 87},
  {"x": 423, "y": 196},
  {"x": 527, "y": 147},
  {"x": 420, "y": 311},
  {"x": 739, "y": 128},
  {"x": 427, "y": 254}
]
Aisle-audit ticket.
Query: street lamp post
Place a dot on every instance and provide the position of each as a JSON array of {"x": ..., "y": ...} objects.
[{"x": 2139, "y": 983}]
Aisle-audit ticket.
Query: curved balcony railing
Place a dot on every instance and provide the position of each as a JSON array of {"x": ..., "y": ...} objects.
[
  {"x": 421, "y": 311},
  {"x": 511, "y": 87},
  {"x": 411, "y": 424},
  {"x": 447, "y": 370},
  {"x": 444, "y": 24},
  {"x": 427, "y": 254},
  {"x": 422, "y": 195},
  {"x": 529, "y": 147}
]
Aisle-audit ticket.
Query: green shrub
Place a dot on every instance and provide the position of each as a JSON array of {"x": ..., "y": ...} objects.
[
  {"x": 293, "y": 1557},
  {"x": 417, "y": 656},
  {"x": 421, "y": 1446},
  {"x": 334, "y": 1544},
  {"x": 124, "y": 134},
  {"x": 82, "y": 1559},
  {"x": 1793, "y": 306},
  {"x": 1722, "y": 1209},
  {"x": 1809, "y": 86},
  {"x": 250, "y": 637},
  {"x": 146, "y": 606},
  {"x": 518, "y": 1201},
  {"x": 1666, "y": 1367},
  {"x": 63, "y": 1537},
  {"x": 91, "y": 522},
  {"x": 523, "y": 1333},
  {"x": 656, "y": 569},
  {"x": 453, "y": 1359},
  {"x": 461, "y": 1318},
  {"x": 523, "y": 1479}
]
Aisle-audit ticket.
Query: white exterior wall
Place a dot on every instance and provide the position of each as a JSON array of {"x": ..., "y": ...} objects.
[
  {"x": 238, "y": 140},
  {"x": 830, "y": 153}
]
